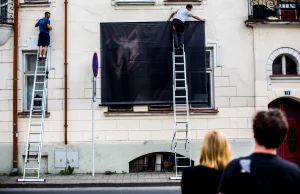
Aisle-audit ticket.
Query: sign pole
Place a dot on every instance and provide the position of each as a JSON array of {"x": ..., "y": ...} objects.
[
  {"x": 93, "y": 126},
  {"x": 95, "y": 67}
]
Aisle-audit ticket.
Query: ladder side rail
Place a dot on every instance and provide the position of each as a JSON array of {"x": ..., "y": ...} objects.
[{"x": 30, "y": 116}]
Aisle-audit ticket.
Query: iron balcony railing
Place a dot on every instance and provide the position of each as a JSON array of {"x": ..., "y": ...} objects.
[
  {"x": 274, "y": 10},
  {"x": 6, "y": 11}
]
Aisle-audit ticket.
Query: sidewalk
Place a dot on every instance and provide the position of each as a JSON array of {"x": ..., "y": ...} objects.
[{"x": 100, "y": 180}]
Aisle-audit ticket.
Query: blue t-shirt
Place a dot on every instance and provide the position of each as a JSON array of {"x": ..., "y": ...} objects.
[
  {"x": 43, "y": 25},
  {"x": 182, "y": 14}
]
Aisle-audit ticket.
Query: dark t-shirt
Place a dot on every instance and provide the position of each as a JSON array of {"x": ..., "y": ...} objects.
[
  {"x": 260, "y": 174},
  {"x": 43, "y": 25},
  {"x": 200, "y": 179}
]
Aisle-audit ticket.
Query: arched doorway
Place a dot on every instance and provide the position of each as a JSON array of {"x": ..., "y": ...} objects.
[{"x": 290, "y": 148}]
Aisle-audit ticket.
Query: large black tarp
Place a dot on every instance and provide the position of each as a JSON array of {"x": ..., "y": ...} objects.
[{"x": 136, "y": 62}]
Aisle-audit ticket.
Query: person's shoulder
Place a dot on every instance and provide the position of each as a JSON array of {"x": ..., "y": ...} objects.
[{"x": 288, "y": 165}]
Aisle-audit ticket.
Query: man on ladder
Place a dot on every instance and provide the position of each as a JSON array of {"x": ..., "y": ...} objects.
[
  {"x": 44, "y": 37},
  {"x": 177, "y": 24}
]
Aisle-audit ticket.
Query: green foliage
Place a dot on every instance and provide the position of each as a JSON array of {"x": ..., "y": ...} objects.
[
  {"x": 174, "y": 169},
  {"x": 114, "y": 172},
  {"x": 123, "y": 172},
  {"x": 89, "y": 173},
  {"x": 4, "y": 174},
  {"x": 35, "y": 172},
  {"x": 67, "y": 171}
]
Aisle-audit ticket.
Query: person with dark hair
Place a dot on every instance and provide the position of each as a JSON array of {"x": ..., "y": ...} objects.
[
  {"x": 178, "y": 23},
  {"x": 44, "y": 36},
  {"x": 263, "y": 172}
]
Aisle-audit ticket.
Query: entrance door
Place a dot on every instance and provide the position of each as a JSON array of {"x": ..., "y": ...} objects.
[{"x": 290, "y": 148}]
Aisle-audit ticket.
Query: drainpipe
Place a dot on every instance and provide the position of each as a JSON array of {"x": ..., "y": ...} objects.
[
  {"x": 66, "y": 72},
  {"x": 15, "y": 89}
]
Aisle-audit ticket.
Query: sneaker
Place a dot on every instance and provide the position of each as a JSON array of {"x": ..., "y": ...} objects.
[
  {"x": 44, "y": 57},
  {"x": 40, "y": 57}
]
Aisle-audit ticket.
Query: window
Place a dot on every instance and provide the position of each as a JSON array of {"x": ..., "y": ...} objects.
[
  {"x": 36, "y": 1},
  {"x": 157, "y": 162},
  {"x": 209, "y": 81},
  {"x": 120, "y": 2},
  {"x": 284, "y": 65},
  {"x": 120, "y": 108},
  {"x": 3, "y": 11},
  {"x": 160, "y": 107},
  {"x": 29, "y": 70}
]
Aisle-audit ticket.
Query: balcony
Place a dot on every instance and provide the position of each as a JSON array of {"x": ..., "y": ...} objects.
[
  {"x": 273, "y": 11},
  {"x": 6, "y": 20}
]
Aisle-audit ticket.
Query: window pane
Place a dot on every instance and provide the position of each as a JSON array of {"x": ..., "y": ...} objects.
[
  {"x": 291, "y": 67},
  {"x": 29, "y": 87},
  {"x": 30, "y": 62},
  {"x": 209, "y": 92},
  {"x": 277, "y": 66},
  {"x": 207, "y": 59}
]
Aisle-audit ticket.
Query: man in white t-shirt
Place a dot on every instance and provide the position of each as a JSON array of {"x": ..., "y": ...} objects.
[{"x": 177, "y": 24}]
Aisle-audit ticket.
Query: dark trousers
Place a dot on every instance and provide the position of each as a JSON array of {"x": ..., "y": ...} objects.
[{"x": 178, "y": 32}]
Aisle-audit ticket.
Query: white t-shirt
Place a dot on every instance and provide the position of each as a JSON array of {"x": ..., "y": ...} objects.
[{"x": 182, "y": 14}]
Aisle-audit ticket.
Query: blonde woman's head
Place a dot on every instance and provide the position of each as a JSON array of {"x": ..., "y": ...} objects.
[{"x": 216, "y": 152}]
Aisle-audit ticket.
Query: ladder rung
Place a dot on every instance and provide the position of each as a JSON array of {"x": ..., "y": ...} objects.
[
  {"x": 31, "y": 168},
  {"x": 180, "y": 88},
  {"x": 38, "y": 74},
  {"x": 39, "y": 82},
  {"x": 30, "y": 178},
  {"x": 179, "y": 55},
  {"x": 179, "y": 71},
  {"x": 35, "y": 133},
  {"x": 182, "y": 139},
  {"x": 36, "y": 110},
  {"x": 33, "y": 151},
  {"x": 179, "y": 63},
  {"x": 182, "y": 157},
  {"x": 180, "y": 96},
  {"x": 181, "y": 122},
  {"x": 180, "y": 79},
  {"x": 34, "y": 142},
  {"x": 35, "y": 125},
  {"x": 181, "y": 131},
  {"x": 180, "y": 148},
  {"x": 38, "y": 90},
  {"x": 32, "y": 159}
]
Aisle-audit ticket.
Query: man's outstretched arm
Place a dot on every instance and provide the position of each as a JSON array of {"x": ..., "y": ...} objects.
[
  {"x": 37, "y": 24},
  {"x": 197, "y": 18},
  {"x": 172, "y": 16}
]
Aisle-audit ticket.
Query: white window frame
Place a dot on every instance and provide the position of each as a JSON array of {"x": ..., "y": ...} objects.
[
  {"x": 25, "y": 75},
  {"x": 210, "y": 71}
]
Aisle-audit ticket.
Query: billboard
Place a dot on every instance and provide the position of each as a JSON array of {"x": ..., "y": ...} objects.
[{"x": 137, "y": 64}]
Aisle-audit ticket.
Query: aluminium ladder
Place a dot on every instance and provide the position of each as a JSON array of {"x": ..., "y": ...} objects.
[
  {"x": 181, "y": 138},
  {"x": 34, "y": 145}
]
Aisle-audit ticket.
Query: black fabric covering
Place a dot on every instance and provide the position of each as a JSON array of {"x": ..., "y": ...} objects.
[{"x": 136, "y": 62}]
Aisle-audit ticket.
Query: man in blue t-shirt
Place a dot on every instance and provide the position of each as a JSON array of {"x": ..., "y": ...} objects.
[
  {"x": 177, "y": 24},
  {"x": 44, "y": 37}
]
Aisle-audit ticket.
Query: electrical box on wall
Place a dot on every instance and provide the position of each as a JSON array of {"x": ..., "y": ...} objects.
[{"x": 64, "y": 158}]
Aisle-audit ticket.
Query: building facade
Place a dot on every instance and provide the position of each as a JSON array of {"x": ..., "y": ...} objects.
[{"x": 252, "y": 63}]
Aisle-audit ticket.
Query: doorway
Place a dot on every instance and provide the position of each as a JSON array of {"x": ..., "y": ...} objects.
[{"x": 290, "y": 148}]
